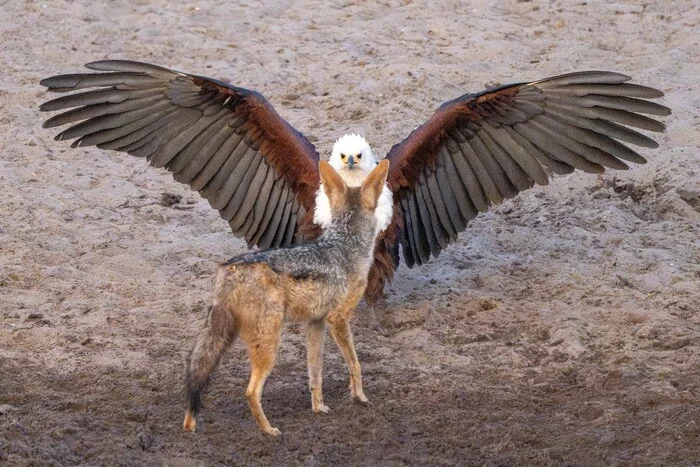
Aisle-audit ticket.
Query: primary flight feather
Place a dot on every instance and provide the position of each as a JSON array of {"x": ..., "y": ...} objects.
[{"x": 229, "y": 144}]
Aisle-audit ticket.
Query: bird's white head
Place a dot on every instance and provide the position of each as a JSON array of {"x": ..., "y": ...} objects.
[
  {"x": 352, "y": 152},
  {"x": 353, "y": 159}
]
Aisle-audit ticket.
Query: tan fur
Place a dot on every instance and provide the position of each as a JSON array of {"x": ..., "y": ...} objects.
[
  {"x": 253, "y": 301},
  {"x": 373, "y": 188},
  {"x": 332, "y": 183}
]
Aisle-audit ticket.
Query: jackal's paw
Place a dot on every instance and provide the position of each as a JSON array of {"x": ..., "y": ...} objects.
[
  {"x": 322, "y": 408},
  {"x": 272, "y": 431},
  {"x": 360, "y": 399}
]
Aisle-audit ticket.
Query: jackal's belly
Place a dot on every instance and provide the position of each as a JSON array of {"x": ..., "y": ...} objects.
[{"x": 309, "y": 300}]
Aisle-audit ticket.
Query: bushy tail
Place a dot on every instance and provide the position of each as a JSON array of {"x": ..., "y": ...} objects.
[{"x": 218, "y": 333}]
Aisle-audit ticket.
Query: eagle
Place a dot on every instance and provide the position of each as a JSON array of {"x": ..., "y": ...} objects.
[{"x": 230, "y": 145}]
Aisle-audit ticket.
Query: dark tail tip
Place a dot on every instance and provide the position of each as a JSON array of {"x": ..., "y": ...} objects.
[{"x": 194, "y": 386}]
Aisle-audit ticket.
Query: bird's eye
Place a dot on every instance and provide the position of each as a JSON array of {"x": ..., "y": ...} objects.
[
  {"x": 359, "y": 156},
  {"x": 342, "y": 156}
]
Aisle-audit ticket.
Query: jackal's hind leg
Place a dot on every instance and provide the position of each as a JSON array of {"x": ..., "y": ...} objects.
[
  {"x": 262, "y": 346},
  {"x": 315, "y": 335},
  {"x": 340, "y": 330},
  {"x": 218, "y": 333}
]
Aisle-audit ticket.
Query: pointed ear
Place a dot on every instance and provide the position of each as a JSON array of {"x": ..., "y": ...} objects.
[
  {"x": 333, "y": 184},
  {"x": 373, "y": 185}
]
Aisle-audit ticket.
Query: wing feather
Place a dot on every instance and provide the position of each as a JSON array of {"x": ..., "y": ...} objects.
[
  {"x": 233, "y": 179},
  {"x": 441, "y": 207},
  {"x": 173, "y": 128},
  {"x": 99, "y": 96},
  {"x": 411, "y": 232},
  {"x": 207, "y": 133},
  {"x": 171, "y": 148},
  {"x": 228, "y": 154},
  {"x": 284, "y": 221},
  {"x": 110, "y": 121},
  {"x": 268, "y": 238},
  {"x": 499, "y": 179},
  {"x": 547, "y": 162},
  {"x": 127, "y": 137},
  {"x": 476, "y": 164},
  {"x": 254, "y": 179},
  {"x": 186, "y": 161},
  {"x": 467, "y": 175},
  {"x": 603, "y": 127},
  {"x": 480, "y": 149},
  {"x": 580, "y": 142},
  {"x": 429, "y": 225},
  {"x": 268, "y": 210},
  {"x": 291, "y": 224},
  {"x": 442, "y": 233},
  {"x": 462, "y": 199}
]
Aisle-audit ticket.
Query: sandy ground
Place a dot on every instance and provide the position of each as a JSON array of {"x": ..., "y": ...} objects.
[{"x": 562, "y": 328}]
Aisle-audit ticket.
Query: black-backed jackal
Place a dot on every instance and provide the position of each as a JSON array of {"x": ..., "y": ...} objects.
[{"x": 319, "y": 283}]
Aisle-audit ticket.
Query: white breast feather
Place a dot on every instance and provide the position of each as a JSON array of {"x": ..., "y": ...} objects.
[
  {"x": 384, "y": 209},
  {"x": 322, "y": 211}
]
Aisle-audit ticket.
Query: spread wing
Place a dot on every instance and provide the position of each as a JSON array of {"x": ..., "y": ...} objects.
[
  {"x": 480, "y": 149},
  {"x": 225, "y": 142}
]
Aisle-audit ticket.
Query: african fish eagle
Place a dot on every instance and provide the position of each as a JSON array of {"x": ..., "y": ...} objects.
[{"x": 229, "y": 144}]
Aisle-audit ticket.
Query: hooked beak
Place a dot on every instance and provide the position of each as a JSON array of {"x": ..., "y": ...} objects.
[{"x": 351, "y": 161}]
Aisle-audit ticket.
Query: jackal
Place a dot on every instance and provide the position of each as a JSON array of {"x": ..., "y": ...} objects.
[{"x": 319, "y": 283}]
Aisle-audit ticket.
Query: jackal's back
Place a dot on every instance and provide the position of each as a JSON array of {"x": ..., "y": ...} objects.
[{"x": 252, "y": 290}]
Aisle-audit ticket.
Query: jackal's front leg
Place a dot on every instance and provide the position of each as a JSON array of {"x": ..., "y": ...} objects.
[
  {"x": 314, "y": 354},
  {"x": 340, "y": 330}
]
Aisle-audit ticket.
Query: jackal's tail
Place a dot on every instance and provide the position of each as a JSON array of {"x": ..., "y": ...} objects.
[{"x": 218, "y": 333}]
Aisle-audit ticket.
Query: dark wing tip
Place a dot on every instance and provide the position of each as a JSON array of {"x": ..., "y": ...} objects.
[
  {"x": 585, "y": 77},
  {"x": 663, "y": 110},
  {"x": 653, "y": 92},
  {"x": 111, "y": 64},
  {"x": 131, "y": 66},
  {"x": 60, "y": 83}
]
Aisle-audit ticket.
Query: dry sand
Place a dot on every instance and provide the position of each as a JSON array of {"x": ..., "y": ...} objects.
[{"x": 562, "y": 328}]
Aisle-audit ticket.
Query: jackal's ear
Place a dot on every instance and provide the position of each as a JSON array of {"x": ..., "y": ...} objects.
[
  {"x": 333, "y": 184},
  {"x": 373, "y": 185}
]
